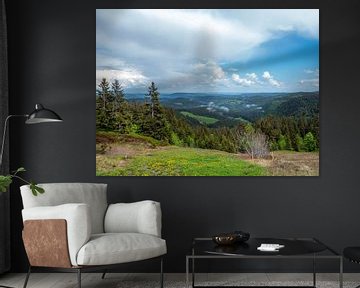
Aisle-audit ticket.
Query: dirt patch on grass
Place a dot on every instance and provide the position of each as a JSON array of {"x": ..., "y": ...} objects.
[
  {"x": 129, "y": 150},
  {"x": 119, "y": 154},
  {"x": 103, "y": 139},
  {"x": 287, "y": 163},
  {"x": 115, "y": 150}
]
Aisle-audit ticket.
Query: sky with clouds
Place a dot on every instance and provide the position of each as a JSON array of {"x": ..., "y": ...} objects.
[{"x": 210, "y": 50}]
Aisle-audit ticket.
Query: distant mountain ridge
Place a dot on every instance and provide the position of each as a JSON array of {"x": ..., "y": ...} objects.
[
  {"x": 217, "y": 94},
  {"x": 305, "y": 105},
  {"x": 231, "y": 108}
]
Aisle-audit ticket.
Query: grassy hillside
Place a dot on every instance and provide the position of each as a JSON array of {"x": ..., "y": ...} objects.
[
  {"x": 201, "y": 119},
  {"x": 176, "y": 161},
  {"x": 135, "y": 155},
  {"x": 139, "y": 158}
]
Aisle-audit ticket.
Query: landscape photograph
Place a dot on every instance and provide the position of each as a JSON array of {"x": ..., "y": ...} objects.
[{"x": 207, "y": 92}]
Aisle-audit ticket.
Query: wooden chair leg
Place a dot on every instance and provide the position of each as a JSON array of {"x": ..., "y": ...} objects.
[{"x": 27, "y": 277}]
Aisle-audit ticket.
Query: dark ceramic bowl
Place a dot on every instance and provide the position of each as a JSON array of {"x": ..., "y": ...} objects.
[
  {"x": 231, "y": 238},
  {"x": 241, "y": 236},
  {"x": 225, "y": 239}
]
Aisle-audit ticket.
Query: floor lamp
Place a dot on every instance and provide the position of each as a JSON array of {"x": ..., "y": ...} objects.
[{"x": 39, "y": 115}]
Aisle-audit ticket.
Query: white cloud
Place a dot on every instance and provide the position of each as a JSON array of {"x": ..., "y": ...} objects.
[
  {"x": 252, "y": 76},
  {"x": 270, "y": 79},
  {"x": 312, "y": 71},
  {"x": 249, "y": 79},
  {"x": 313, "y": 78},
  {"x": 206, "y": 34},
  {"x": 162, "y": 45},
  {"x": 103, "y": 61},
  {"x": 266, "y": 75},
  {"x": 208, "y": 71},
  {"x": 202, "y": 75},
  {"x": 212, "y": 107},
  {"x": 314, "y": 82},
  {"x": 127, "y": 78},
  {"x": 241, "y": 81},
  {"x": 224, "y": 108},
  {"x": 274, "y": 82}
]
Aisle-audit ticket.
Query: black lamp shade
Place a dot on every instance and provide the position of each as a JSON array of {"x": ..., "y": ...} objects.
[{"x": 42, "y": 115}]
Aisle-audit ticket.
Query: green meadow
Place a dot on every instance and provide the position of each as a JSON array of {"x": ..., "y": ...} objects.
[
  {"x": 201, "y": 119},
  {"x": 176, "y": 161}
]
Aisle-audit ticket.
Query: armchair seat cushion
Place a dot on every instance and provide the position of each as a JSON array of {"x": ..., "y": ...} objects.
[{"x": 113, "y": 248}]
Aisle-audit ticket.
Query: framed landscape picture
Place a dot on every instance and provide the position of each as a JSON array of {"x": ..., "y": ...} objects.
[{"x": 207, "y": 92}]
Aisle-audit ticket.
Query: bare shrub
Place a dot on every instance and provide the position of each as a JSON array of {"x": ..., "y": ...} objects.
[{"x": 255, "y": 145}]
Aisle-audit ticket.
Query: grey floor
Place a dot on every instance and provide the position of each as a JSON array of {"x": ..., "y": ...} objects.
[{"x": 119, "y": 280}]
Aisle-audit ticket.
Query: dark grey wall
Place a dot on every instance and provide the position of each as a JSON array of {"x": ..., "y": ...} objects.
[{"x": 52, "y": 61}]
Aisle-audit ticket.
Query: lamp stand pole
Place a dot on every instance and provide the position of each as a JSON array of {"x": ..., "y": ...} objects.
[{"x": 4, "y": 134}]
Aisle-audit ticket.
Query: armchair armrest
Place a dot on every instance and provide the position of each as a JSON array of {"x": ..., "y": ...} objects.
[
  {"x": 77, "y": 217},
  {"x": 138, "y": 217}
]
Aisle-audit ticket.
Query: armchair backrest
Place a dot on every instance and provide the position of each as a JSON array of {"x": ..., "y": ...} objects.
[{"x": 92, "y": 194}]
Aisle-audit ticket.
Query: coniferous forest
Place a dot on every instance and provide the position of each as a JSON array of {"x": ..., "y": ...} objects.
[{"x": 286, "y": 122}]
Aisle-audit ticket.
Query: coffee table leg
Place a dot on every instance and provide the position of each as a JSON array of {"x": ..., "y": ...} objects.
[
  {"x": 341, "y": 273},
  {"x": 193, "y": 272},
  {"x": 314, "y": 271},
  {"x": 187, "y": 271}
]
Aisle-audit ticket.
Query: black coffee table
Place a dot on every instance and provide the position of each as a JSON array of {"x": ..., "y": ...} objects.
[{"x": 295, "y": 248}]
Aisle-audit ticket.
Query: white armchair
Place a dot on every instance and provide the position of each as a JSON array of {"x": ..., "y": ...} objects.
[{"x": 72, "y": 228}]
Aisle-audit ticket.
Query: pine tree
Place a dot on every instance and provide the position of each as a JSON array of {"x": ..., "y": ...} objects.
[
  {"x": 102, "y": 97},
  {"x": 121, "y": 116},
  {"x": 154, "y": 122},
  {"x": 282, "y": 142},
  {"x": 309, "y": 142},
  {"x": 118, "y": 94},
  {"x": 154, "y": 95},
  {"x": 104, "y": 92}
]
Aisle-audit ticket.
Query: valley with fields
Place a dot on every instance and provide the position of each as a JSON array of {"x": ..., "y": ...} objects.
[{"x": 226, "y": 109}]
